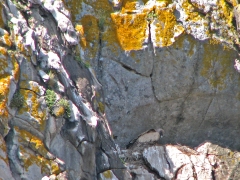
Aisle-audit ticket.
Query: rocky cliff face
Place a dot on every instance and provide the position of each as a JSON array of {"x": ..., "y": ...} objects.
[{"x": 80, "y": 78}]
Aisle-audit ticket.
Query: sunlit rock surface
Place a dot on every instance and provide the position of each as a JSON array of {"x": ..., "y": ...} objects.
[{"x": 80, "y": 79}]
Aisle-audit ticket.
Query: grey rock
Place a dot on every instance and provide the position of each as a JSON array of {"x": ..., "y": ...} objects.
[
  {"x": 181, "y": 96},
  {"x": 5, "y": 171},
  {"x": 102, "y": 162},
  {"x": 142, "y": 174},
  {"x": 122, "y": 88},
  {"x": 159, "y": 164},
  {"x": 87, "y": 150}
]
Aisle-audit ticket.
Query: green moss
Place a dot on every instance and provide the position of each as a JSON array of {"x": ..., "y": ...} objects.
[
  {"x": 50, "y": 98},
  {"x": 151, "y": 16}
]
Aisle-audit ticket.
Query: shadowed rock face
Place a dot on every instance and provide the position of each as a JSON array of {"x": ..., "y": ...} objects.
[{"x": 192, "y": 94}]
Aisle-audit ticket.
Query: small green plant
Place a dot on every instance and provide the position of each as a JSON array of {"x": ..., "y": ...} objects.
[
  {"x": 78, "y": 58},
  {"x": 10, "y": 24},
  {"x": 17, "y": 100},
  {"x": 151, "y": 16},
  {"x": 19, "y": 5},
  {"x": 65, "y": 104},
  {"x": 50, "y": 98},
  {"x": 85, "y": 64},
  {"x": 52, "y": 82}
]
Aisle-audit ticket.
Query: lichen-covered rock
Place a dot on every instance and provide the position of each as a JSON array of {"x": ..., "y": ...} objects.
[
  {"x": 54, "y": 135},
  {"x": 121, "y": 67},
  {"x": 208, "y": 161}
]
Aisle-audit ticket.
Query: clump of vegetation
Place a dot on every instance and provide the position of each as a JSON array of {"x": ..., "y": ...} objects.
[
  {"x": 50, "y": 98},
  {"x": 19, "y": 5},
  {"x": 78, "y": 58},
  {"x": 62, "y": 105},
  {"x": 17, "y": 100},
  {"x": 65, "y": 104},
  {"x": 151, "y": 16},
  {"x": 52, "y": 82}
]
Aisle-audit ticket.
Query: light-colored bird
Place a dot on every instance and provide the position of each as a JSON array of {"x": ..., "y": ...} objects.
[{"x": 151, "y": 135}]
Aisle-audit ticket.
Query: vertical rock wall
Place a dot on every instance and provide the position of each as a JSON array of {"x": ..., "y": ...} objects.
[
  {"x": 66, "y": 65},
  {"x": 166, "y": 64},
  {"x": 52, "y": 121}
]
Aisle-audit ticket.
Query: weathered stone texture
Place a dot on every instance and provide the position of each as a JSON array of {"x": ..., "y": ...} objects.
[{"x": 119, "y": 68}]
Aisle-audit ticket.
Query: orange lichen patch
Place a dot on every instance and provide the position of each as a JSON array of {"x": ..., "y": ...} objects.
[
  {"x": 129, "y": 6},
  {"x": 4, "y": 87},
  {"x": 59, "y": 111},
  {"x": 131, "y": 30},
  {"x": 165, "y": 23},
  {"x": 1, "y": 18},
  {"x": 7, "y": 39},
  {"x": 80, "y": 30},
  {"x": 91, "y": 33},
  {"x": 3, "y": 51},
  {"x": 234, "y": 2},
  {"x": 217, "y": 64},
  {"x": 192, "y": 15},
  {"x": 29, "y": 158},
  {"x": 3, "y": 148},
  {"x": 225, "y": 12},
  {"x": 33, "y": 107},
  {"x": 16, "y": 70},
  {"x": 34, "y": 143}
]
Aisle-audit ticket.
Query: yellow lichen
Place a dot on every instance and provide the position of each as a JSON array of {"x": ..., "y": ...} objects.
[
  {"x": 59, "y": 111},
  {"x": 34, "y": 108},
  {"x": 165, "y": 23},
  {"x": 101, "y": 107},
  {"x": 80, "y": 30},
  {"x": 129, "y": 6},
  {"x": 1, "y": 18},
  {"x": 4, "y": 87},
  {"x": 7, "y": 39},
  {"x": 107, "y": 174},
  {"x": 226, "y": 12},
  {"x": 34, "y": 143},
  {"x": 16, "y": 70},
  {"x": 234, "y": 2},
  {"x": 214, "y": 56},
  {"x": 130, "y": 30},
  {"x": 3, "y": 51},
  {"x": 28, "y": 158},
  {"x": 91, "y": 35},
  {"x": 192, "y": 15},
  {"x": 3, "y": 148}
]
